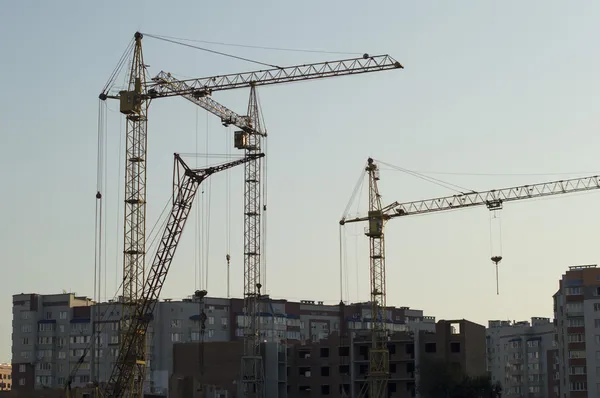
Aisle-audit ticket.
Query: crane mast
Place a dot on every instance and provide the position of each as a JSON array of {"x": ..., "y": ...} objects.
[
  {"x": 252, "y": 370},
  {"x": 135, "y": 107},
  {"x": 185, "y": 186},
  {"x": 377, "y": 216},
  {"x": 377, "y": 378}
]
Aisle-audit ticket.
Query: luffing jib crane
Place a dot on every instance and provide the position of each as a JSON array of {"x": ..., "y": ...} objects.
[
  {"x": 378, "y": 215},
  {"x": 129, "y": 365},
  {"x": 134, "y": 104}
]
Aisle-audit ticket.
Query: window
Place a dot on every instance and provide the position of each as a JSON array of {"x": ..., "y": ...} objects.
[
  {"x": 224, "y": 321},
  {"x": 324, "y": 352},
  {"x": 62, "y": 315},
  {"x": 211, "y": 332},
  {"x": 114, "y": 352},
  {"x": 24, "y": 315},
  {"x": 176, "y": 337},
  {"x": 576, "y": 322},
  {"x": 62, "y": 355},
  {"x": 22, "y": 368},
  {"x": 574, "y": 307},
  {"x": 114, "y": 339},
  {"x": 22, "y": 381},
  {"x": 25, "y": 354},
  {"x": 175, "y": 323},
  {"x": 211, "y": 320},
  {"x": 84, "y": 379},
  {"x": 46, "y": 327},
  {"x": 61, "y": 328},
  {"x": 597, "y": 323},
  {"x": 578, "y": 370},
  {"x": 576, "y": 338},
  {"x": 454, "y": 347},
  {"x": 25, "y": 341},
  {"x": 26, "y": 328},
  {"x": 573, "y": 291},
  {"x": 578, "y": 386},
  {"x": 430, "y": 347},
  {"x": 578, "y": 354},
  {"x": 536, "y": 343}
]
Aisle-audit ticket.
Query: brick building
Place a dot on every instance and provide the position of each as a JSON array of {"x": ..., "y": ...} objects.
[{"x": 332, "y": 366}]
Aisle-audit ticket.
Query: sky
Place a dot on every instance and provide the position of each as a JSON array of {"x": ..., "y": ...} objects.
[{"x": 493, "y": 95}]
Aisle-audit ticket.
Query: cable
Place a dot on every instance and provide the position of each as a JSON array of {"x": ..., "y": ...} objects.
[
  {"x": 497, "y": 174},
  {"x": 341, "y": 263},
  {"x": 357, "y": 188},
  {"x": 118, "y": 207},
  {"x": 429, "y": 179},
  {"x": 259, "y": 47},
  {"x": 228, "y": 209},
  {"x": 213, "y": 51},
  {"x": 197, "y": 223},
  {"x": 208, "y": 211},
  {"x": 109, "y": 84},
  {"x": 264, "y": 188}
]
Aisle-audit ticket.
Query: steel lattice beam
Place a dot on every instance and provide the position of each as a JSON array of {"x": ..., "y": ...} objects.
[
  {"x": 252, "y": 371},
  {"x": 206, "y": 85},
  {"x": 492, "y": 199},
  {"x": 185, "y": 187},
  {"x": 134, "y": 250},
  {"x": 378, "y": 375}
]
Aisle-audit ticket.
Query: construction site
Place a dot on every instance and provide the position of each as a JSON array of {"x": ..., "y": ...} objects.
[{"x": 223, "y": 339}]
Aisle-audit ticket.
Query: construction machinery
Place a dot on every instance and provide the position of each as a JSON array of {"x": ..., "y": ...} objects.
[
  {"x": 134, "y": 104},
  {"x": 378, "y": 215},
  {"x": 129, "y": 366}
]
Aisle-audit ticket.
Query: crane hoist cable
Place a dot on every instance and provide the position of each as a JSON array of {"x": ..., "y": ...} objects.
[
  {"x": 228, "y": 210},
  {"x": 496, "y": 242},
  {"x": 208, "y": 210}
]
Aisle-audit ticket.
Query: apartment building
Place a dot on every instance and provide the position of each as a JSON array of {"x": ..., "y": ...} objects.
[
  {"x": 5, "y": 377},
  {"x": 517, "y": 356},
  {"x": 577, "y": 321},
  {"x": 334, "y": 366},
  {"x": 52, "y": 332}
]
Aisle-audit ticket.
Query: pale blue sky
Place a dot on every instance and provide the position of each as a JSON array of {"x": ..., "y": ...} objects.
[{"x": 489, "y": 87}]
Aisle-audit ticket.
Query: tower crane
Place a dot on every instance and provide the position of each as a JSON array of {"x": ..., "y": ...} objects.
[
  {"x": 378, "y": 215},
  {"x": 134, "y": 104},
  {"x": 129, "y": 366}
]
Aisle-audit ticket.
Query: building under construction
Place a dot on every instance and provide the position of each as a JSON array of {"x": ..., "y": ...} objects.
[{"x": 335, "y": 366}]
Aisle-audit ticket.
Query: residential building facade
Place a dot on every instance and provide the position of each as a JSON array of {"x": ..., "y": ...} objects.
[
  {"x": 517, "y": 356},
  {"x": 5, "y": 377},
  {"x": 577, "y": 321},
  {"x": 52, "y": 332}
]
